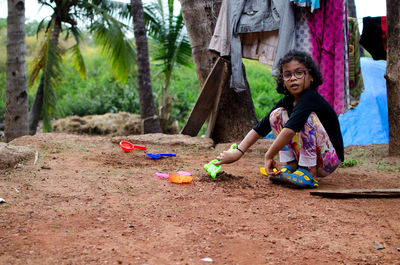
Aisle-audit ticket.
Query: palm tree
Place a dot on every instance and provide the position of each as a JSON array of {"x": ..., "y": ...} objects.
[
  {"x": 172, "y": 47},
  {"x": 108, "y": 32},
  {"x": 16, "y": 115},
  {"x": 151, "y": 122}
]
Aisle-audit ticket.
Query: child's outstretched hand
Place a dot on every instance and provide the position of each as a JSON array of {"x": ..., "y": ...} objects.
[{"x": 228, "y": 157}]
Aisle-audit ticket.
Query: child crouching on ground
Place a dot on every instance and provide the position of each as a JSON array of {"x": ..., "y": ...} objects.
[{"x": 305, "y": 127}]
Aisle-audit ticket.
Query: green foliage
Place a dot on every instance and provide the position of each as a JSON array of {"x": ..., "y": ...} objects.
[
  {"x": 166, "y": 31},
  {"x": 371, "y": 157},
  {"x": 31, "y": 47},
  {"x": 31, "y": 28},
  {"x": 3, "y": 23},
  {"x": 184, "y": 89},
  {"x": 115, "y": 44},
  {"x": 108, "y": 31},
  {"x": 48, "y": 63},
  {"x": 262, "y": 87},
  {"x": 78, "y": 61},
  {"x": 2, "y": 94},
  {"x": 3, "y": 49},
  {"x": 349, "y": 163},
  {"x": 385, "y": 166},
  {"x": 99, "y": 93},
  {"x": 51, "y": 73}
]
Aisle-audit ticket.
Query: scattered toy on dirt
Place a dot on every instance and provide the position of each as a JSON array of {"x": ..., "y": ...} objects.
[{"x": 213, "y": 169}]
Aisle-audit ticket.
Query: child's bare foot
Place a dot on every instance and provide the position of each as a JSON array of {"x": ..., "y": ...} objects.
[
  {"x": 293, "y": 164},
  {"x": 313, "y": 171}
]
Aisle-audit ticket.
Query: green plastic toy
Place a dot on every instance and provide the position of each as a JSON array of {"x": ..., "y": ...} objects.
[{"x": 213, "y": 169}]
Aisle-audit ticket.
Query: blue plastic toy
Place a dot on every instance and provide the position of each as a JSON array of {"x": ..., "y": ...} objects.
[{"x": 157, "y": 156}]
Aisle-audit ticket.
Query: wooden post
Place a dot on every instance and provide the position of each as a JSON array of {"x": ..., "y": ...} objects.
[{"x": 208, "y": 99}]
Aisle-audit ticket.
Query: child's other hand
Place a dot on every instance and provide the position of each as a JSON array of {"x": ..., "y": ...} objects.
[
  {"x": 271, "y": 167},
  {"x": 227, "y": 157}
]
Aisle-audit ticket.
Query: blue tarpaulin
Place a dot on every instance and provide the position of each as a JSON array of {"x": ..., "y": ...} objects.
[{"x": 367, "y": 123}]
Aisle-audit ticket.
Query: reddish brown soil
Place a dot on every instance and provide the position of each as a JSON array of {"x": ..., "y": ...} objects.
[{"x": 85, "y": 201}]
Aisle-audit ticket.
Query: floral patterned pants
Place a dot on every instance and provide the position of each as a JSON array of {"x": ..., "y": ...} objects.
[{"x": 310, "y": 147}]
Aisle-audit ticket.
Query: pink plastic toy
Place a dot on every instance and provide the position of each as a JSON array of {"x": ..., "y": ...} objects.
[
  {"x": 183, "y": 173},
  {"x": 161, "y": 175}
]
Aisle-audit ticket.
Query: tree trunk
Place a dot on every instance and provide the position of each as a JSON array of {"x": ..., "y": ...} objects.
[
  {"x": 200, "y": 17},
  {"x": 36, "y": 109},
  {"x": 236, "y": 114},
  {"x": 393, "y": 75},
  {"x": 150, "y": 121},
  {"x": 165, "y": 107},
  {"x": 16, "y": 115}
]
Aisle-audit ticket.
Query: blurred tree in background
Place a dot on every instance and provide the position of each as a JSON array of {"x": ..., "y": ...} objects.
[
  {"x": 101, "y": 91},
  {"x": 150, "y": 121},
  {"x": 172, "y": 48},
  {"x": 108, "y": 32},
  {"x": 16, "y": 115}
]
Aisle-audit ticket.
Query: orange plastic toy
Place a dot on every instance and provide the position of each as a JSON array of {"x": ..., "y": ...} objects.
[{"x": 180, "y": 179}]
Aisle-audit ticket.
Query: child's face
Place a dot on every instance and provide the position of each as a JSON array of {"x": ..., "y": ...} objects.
[{"x": 296, "y": 77}]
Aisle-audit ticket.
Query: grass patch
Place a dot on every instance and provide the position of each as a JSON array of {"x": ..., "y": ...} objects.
[{"x": 349, "y": 163}]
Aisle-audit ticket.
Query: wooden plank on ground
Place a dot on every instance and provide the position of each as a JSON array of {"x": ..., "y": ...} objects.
[
  {"x": 207, "y": 97},
  {"x": 358, "y": 193}
]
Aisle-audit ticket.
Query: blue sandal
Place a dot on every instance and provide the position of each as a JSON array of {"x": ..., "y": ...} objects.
[
  {"x": 301, "y": 178},
  {"x": 277, "y": 178}
]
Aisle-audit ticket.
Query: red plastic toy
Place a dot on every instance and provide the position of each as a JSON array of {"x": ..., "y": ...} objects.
[{"x": 127, "y": 146}]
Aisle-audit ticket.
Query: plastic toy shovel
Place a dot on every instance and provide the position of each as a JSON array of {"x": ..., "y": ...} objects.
[
  {"x": 157, "y": 156},
  {"x": 127, "y": 146},
  {"x": 213, "y": 169},
  {"x": 264, "y": 172}
]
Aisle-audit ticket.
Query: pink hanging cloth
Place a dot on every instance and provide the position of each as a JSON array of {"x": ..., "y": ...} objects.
[{"x": 327, "y": 39}]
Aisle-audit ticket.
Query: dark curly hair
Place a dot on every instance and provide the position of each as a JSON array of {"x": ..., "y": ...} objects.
[{"x": 301, "y": 57}]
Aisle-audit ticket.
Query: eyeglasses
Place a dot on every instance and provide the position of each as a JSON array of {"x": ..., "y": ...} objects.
[{"x": 298, "y": 74}]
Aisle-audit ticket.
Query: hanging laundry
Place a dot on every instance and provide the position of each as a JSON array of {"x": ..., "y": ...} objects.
[
  {"x": 373, "y": 37},
  {"x": 259, "y": 46},
  {"x": 244, "y": 17},
  {"x": 346, "y": 37},
  {"x": 248, "y": 29},
  {"x": 302, "y": 30},
  {"x": 328, "y": 49},
  {"x": 355, "y": 78},
  {"x": 308, "y": 40},
  {"x": 314, "y": 4}
]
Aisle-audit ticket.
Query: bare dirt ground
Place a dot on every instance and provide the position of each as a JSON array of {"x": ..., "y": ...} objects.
[{"x": 85, "y": 201}]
